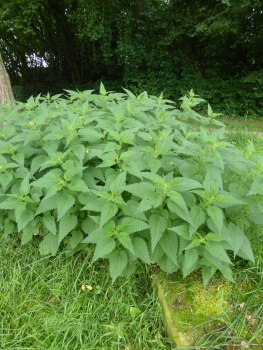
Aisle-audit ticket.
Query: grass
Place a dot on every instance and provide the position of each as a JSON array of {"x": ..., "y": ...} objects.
[{"x": 64, "y": 303}]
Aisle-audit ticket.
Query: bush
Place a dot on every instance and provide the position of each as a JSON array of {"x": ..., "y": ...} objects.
[{"x": 131, "y": 178}]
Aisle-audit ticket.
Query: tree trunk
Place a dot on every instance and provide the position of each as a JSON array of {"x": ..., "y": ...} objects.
[{"x": 6, "y": 93}]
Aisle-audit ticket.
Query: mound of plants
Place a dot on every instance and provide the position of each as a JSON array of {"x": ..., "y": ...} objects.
[{"x": 130, "y": 178}]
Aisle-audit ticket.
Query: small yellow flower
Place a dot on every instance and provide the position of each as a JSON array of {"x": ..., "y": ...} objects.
[{"x": 87, "y": 150}]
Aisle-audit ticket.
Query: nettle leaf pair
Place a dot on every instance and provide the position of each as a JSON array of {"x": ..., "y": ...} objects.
[{"x": 131, "y": 177}]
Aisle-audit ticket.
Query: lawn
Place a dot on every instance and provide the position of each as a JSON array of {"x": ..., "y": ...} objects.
[{"x": 64, "y": 303}]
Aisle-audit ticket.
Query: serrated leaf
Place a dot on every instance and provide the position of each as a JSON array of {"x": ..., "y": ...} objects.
[
  {"x": 88, "y": 225},
  {"x": 182, "y": 184},
  {"x": 182, "y": 230},
  {"x": 10, "y": 203},
  {"x": 195, "y": 243},
  {"x": 125, "y": 240},
  {"x": 5, "y": 179},
  {"x": 50, "y": 244},
  {"x": 131, "y": 210},
  {"x": 104, "y": 247},
  {"x": 108, "y": 211},
  {"x": 158, "y": 225},
  {"x": 132, "y": 225},
  {"x": 118, "y": 185},
  {"x": 151, "y": 201},
  {"x": 118, "y": 262},
  {"x": 66, "y": 224},
  {"x": 46, "y": 204},
  {"x": 95, "y": 205},
  {"x": 64, "y": 202},
  {"x": 177, "y": 205},
  {"x": 216, "y": 216},
  {"x": 225, "y": 200},
  {"x": 24, "y": 218},
  {"x": 141, "y": 250},
  {"x": 78, "y": 185},
  {"x": 49, "y": 179},
  {"x": 207, "y": 273},
  {"x": 50, "y": 224},
  {"x": 25, "y": 187},
  {"x": 76, "y": 238},
  {"x": 141, "y": 190},
  {"x": 28, "y": 232},
  {"x": 198, "y": 216},
  {"x": 236, "y": 237},
  {"x": 216, "y": 250},
  {"x": 169, "y": 244},
  {"x": 227, "y": 273},
  {"x": 246, "y": 250},
  {"x": 190, "y": 259}
]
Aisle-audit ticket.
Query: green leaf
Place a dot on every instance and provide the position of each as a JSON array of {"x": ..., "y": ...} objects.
[
  {"x": 198, "y": 217},
  {"x": 104, "y": 247},
  {"x": 50, "y": 244},
  {"x": 236, "y": 237},
  {"x": 108, "y": 211},
  {"x": 5, "y": 179},
  {"x": 88, "y": 225},
  {"x": 216, "y": 216},
  {"x": 132, "y": 225},
  {"x": 182, "y": 184},
  {"x": 177, "y": 205},
  {"x": 216, "y": 249},
  {"x": 152, "y": 200},
  {"x": 227, "y": 273},
  {"x": 190, "y": 259},
  {"x": 207, "y": 273},
  {"x": 141, "y": 190},
  {"x": 46, "y": 205},
  {"x": 25, "y": 187},
  {"x": 195, "y": 243},
  {"x": 169, "y": 244},
  {"x": 125, "y": 240},
  {"x": 245, "y": 250},
  {"x": 225, "y": 200},
  {"x": 10, "y": 203},
  {"x": 118, "y": 185},
  {"x": 49, "y": 179},
  {"x": 78, "y": 185},
  {"x": 66, "y": 224},
  {"x": 118, "y": 262},
  {"x": 64, "y": 202},
  {"x": 131, "y": 210},
  {"x": 95, "y": 205},
  {"x": 141, "y": 250},
  {"x": 24, "y": 218},
  {"x": 28, "y": 232},
  {"x": 158, "y": 225},
  {"x": 182, "y": 230},
  {"x": 76, "y": 238},
  {"x": 50, "y": 223}
]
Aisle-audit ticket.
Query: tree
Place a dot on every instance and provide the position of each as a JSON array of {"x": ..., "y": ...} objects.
[{"x": 6, "y": 93}]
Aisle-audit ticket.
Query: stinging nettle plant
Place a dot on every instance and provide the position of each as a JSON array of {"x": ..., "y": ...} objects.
[{"x": 131, "y": 178}]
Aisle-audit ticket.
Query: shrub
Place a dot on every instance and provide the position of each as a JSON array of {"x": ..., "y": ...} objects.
[{"x": 130, "y": 177}]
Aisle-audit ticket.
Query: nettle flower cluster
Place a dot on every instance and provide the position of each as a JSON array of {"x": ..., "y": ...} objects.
[{"x": 131, "y": 177}]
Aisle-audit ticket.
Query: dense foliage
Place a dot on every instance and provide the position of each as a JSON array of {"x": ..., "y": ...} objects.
[
  {"x": 130, "y": 178},
  {"x": 155, "y": 45}
]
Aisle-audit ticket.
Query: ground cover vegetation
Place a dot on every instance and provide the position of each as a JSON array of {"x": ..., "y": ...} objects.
[
  {"x": 170, "y": 46},
  {"x": 128, "y": 178}
]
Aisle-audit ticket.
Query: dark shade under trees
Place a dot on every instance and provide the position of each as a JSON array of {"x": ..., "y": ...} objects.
[{"x": 156, "y": 45}]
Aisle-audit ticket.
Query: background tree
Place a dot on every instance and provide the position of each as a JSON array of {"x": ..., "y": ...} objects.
[
  {"x": 6, "y": 93},
  {"x": 157, "y": 45}
]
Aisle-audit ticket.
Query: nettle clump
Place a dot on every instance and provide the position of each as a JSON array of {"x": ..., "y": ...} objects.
[{"x": 131, "y": 178}]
